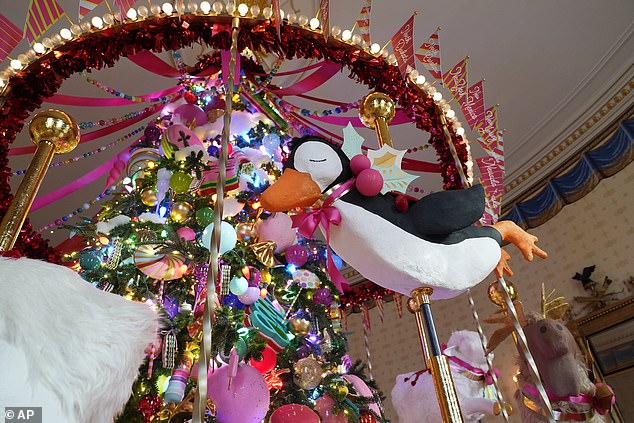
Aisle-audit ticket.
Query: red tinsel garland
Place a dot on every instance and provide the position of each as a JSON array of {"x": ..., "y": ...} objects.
[{"x": 42, "y": 79}]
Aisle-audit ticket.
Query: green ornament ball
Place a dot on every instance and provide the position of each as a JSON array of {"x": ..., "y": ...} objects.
[
  {"x": 205, "y": 216},
  {"x": 180, "y": 182},
  {"x": 89, "y": 261}
]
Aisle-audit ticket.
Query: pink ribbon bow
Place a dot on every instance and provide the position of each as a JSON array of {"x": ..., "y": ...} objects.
[{"x": 327, "y": 214}]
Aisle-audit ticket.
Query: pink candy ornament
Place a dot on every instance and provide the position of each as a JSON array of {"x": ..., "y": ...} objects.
[
  {"x": 297, "y": 255},
  {"x": 363, "y": 390},
  {"x": 294, "y": 413},
  {"x": 359, "y": 163},
  {"x": 246, "y": 401},
  {"x": 278, "y": 229},
  {"x": 324, "y": 407},
  {"x": 187, "y": 233},
  {"x": 369, "y": 182},
  {"x": 251, "y": 296}
]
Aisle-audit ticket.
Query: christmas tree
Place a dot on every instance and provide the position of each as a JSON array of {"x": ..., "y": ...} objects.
[{"x": 277, "y": 343}]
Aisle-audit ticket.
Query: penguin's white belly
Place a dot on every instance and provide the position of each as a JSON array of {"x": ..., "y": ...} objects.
[{"x": 400, "y": 261}]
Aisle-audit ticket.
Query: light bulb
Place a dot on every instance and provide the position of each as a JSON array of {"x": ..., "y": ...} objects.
[
  {"x": 108, "y": 19},
  {"x": 255, "y": 10},
  {"x": 23, "y": 58},
  {"x": 303, "y": 20},
  {"x": 48, "y": 43},
  {"x": 230, "y": 7},
  {"x": 66, "y": 34},
  {"x": 391, "y": 58},
  {"x": 75, "y": 29},
  {"x": 460, "y": 131},
  {"x": 16, "y": 64},
  {"x": 192, "y": 6},
  {"x": 437, "y": 96},
  {"x": 413, "y": 74},
  {"x": 97, "y": 22},
  {"x": 356, "y": 39},
  {"x": 57, "y": 39},
  {"x": 314, "y": 23},
  {"x": 205, "y": 7},
  {"x": 39, "y": 48},
  {"x": 375, "y": 48},
  {"x": 243, "y": 9},
  {"x": 420, "y": 80},
  {"x": 131, "y": 14},
  {"x": 143, "y": 11},
  {"x": 450, "y": 114},
  {"x": 217, "y": 7},
  {"x": 167, "y": 8},
  {"x": 155, "y": 9},
  {"x": 335, "y": 31},
  {"x": 346, "y": 35},
  {"x": 267, "y": 12}
]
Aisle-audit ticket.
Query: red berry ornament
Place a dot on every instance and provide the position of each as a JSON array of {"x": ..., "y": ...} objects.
[
  {"x": 190, "y": 97},
  {"x": 369, "y": 182},
  {"x": 359, "y": 163}
]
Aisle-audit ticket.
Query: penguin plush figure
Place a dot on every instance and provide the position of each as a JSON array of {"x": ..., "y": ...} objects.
[{"x": 433, "y": 243}]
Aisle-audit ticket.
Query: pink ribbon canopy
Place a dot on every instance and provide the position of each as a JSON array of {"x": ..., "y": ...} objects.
[{"x": 326, "y": 71}]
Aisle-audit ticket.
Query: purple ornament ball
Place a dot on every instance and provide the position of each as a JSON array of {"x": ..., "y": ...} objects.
[{"x": 152, "y": 133}]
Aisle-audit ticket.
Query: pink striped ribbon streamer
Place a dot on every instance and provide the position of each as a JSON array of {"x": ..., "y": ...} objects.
[{"x": 312, "y": 81}]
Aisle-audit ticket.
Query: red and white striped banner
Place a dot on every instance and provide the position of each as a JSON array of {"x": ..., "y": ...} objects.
[
  {"x": 492, "y": 178},
  {"x": 10, "y": 36},
  {"x": 456, "y": 81},
  {"x": 403, "y": 46},
  {"x": 41, "y": 16},
  {"x": 430, "y": 55},
  {"x": 324, "y": 12},
  {"x": 488, "y": 128},
  {"x": 363, "y": 22},
  {"x": 86, "y": 6},
  {"x": 473, "y": 107}
]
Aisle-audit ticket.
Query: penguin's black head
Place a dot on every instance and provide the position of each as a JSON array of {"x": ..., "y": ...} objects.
[
  {"x": 326, "y": 163},
  {"x": 313, "y": 167}
]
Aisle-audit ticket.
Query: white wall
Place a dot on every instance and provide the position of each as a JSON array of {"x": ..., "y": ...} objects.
[{"x": 598, "y": 229}]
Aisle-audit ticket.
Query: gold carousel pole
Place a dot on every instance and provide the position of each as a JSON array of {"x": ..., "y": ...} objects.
[
  {"x": 377, "y": 111},
  {"x": 52, "y": 131}
]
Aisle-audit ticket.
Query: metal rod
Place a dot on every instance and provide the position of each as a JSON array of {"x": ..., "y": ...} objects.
[
  {"x": 200, "y": 402},
  {"x": 52, "y": 131},
  {"x": 438, "y": 365}
]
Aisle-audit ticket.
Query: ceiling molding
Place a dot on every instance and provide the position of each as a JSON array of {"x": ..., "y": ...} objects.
[{"x": 583, "y": 136}]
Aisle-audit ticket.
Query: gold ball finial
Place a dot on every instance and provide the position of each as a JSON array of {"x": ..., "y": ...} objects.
[
  {"x": 57, "y": 127},
  {"x": 376, "y": 105},
  {"x": 497, "y": 296}
]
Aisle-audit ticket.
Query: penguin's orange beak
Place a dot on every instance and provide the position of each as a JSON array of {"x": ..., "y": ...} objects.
[{"x": 293, "y": 189}]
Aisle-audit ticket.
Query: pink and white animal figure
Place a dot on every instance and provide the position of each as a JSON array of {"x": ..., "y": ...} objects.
[
  {"x": 414, "y": 397},
  {"x": 564, "y": 375},
  {"x": 66, "y": 346}
]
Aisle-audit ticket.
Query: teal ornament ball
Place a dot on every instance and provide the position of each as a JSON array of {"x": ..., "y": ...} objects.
[
  {"x": 228, "y": 237},
  {"x": 238, "y": 285},
  {"x": 89, "y": 261}
]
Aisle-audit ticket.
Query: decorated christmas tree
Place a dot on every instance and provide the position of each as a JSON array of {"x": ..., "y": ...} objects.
[{"x": 277, "y": 342}]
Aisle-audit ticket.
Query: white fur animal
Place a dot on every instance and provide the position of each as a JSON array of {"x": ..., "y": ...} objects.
[
  {"x": 66, "y": 346},
  {"x": 414, "y": 397}
]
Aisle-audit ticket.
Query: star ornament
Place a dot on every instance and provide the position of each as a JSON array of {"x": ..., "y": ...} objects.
[{"x": 388, "y": 161}]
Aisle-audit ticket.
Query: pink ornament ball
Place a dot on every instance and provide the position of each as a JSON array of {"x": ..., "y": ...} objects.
[
  {"x": 294, "y": 413},
  {"x": 296, "y": 255},
  {"x": 324, "y": 407},
  {"x": 251, "y": 296},
  {"x": 246, "y": 401},
  {"x": 187, "y": 233},
  {"x": 363, "y": 390},
  {"x": 369, "y": 182},
  {"x": 254, "y": 276},
  {"x": 359, "y": 163}
]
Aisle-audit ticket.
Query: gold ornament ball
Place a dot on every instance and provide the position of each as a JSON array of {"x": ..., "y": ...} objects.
[
  {"x": 376, "y": 105},
  {"x": 181, "y": 212},
  {"x": 308, "y": 373},
  {"x": 148, "y": 197},
  {"x": 497, "y": 296},
  {"x": 246, "y": 232},
  {"x": 57, "y": 127},
  {"x": 299, "y": 326}
]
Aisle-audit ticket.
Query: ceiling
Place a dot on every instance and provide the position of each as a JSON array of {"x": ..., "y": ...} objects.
[{"x": 552, "y": 66}]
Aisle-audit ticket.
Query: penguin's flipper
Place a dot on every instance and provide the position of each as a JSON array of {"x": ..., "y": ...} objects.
[{"x": 443, "y": 212}]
